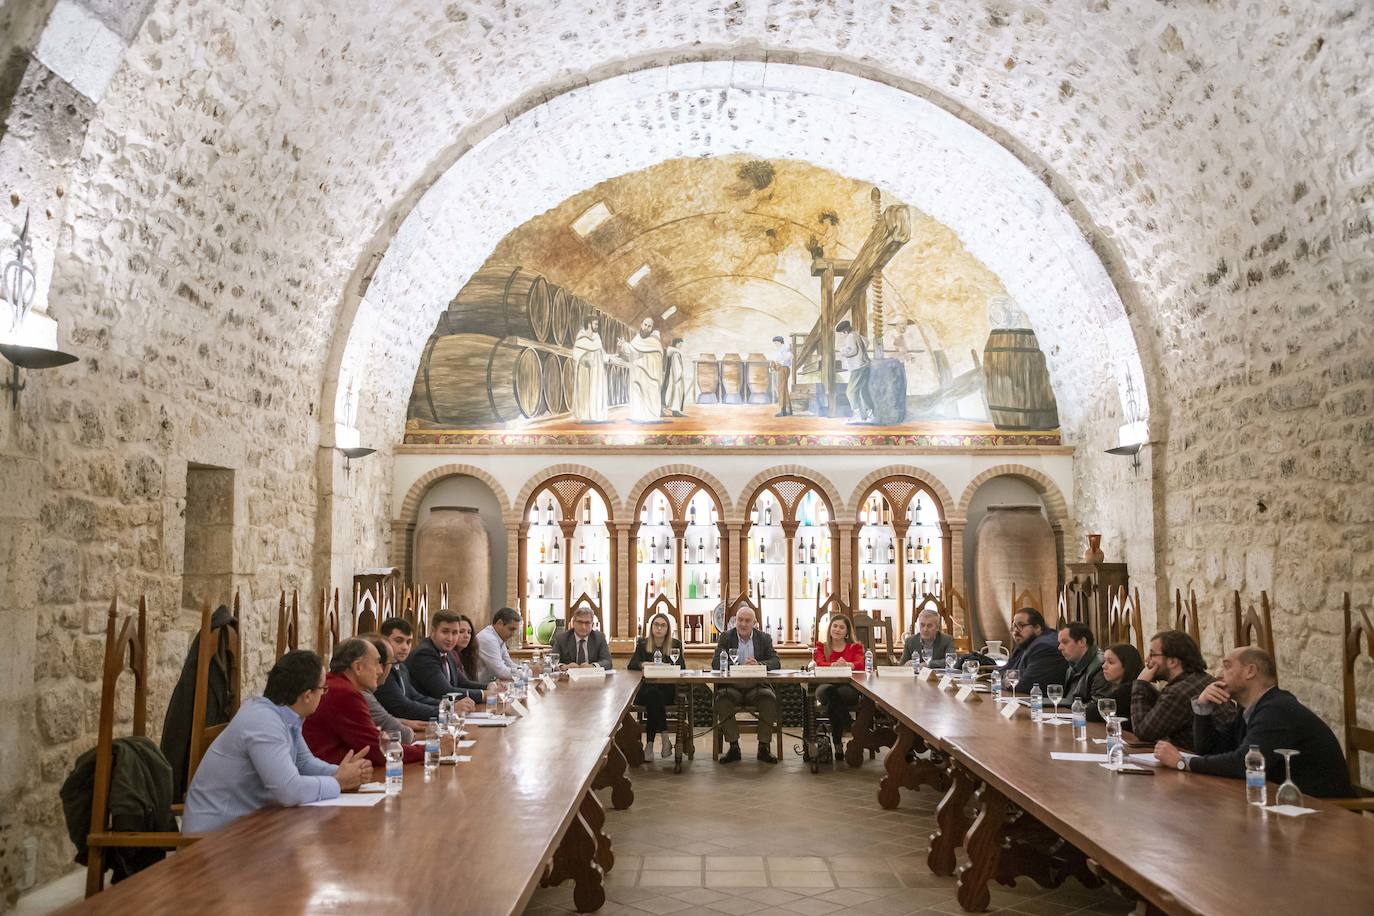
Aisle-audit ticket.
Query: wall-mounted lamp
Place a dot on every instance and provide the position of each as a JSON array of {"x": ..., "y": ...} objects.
[
  {"x": 1134, "y": 434},
  {"x": 31, "y": 339},
  {"x": 22, "y": 357},
  {"x": 352, "y": 452}
]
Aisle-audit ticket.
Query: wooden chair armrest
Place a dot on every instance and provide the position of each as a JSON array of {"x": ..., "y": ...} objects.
[
  {"x": 140, "y": 840},
  {"x": 1353, "y": 804}
]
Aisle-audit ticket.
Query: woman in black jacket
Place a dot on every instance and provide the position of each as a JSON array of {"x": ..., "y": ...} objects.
[
  {"x": 656, "y": 698},
  {"x": 1121, "y": 665}
]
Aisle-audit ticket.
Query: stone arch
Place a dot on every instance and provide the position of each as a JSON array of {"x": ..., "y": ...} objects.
[
  {"x": 1056, "y": 507},
  {"x": 820, "y": 480},
  {"x": 935, "y": 484},
  {"x": 408, "y": 516},
  {"x": 533, "y": 485},
  {"x": 727, "y": 505}
]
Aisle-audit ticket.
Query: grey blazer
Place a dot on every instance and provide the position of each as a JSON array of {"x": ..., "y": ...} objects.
[
  {"x": 764, "y": 653},
  {"x": 944, "y": 644},
  {"x": 598, "y": 651}
]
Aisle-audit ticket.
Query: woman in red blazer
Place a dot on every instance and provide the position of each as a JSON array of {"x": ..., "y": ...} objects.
[{"x": 839, "y": 648}]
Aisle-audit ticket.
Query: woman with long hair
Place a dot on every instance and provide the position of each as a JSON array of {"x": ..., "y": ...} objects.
[
  {"x": 656, "y": 698},
  {"x": 1121, "y": 665},
  {"x": 466, "y": 651},
  {"x": 839, "y": 648}
]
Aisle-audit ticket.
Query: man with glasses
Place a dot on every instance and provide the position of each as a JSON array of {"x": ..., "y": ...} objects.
[
  {"x": 260, "y": 758},
  {"x": 582, "y": 646},
  {"x": 1167, "y": 714},
  {"x": 1036, "y": 653},
  {"x": 342, "y": 721}
]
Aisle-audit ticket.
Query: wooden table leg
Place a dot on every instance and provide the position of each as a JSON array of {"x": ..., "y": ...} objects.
[
  {"x": 862, "y": 733},
  {"x": 613, "y": 773},
  {"x": 630, "y": 738},
  {"x": 576, "y": 858},
  {"x": 889, "y": 788},
  {"x": 682, "y": 699},
  {"x": 594, "y": 814},
  {"x": 951, "y": 821},
  {"x": 984, "y": 846}
]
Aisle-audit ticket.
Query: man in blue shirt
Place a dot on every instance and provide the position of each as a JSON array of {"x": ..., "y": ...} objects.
[{"x": 260, "y": 759}]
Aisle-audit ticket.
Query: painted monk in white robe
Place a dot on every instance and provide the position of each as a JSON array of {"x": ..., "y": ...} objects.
[
  {"x": 675, "y": 382},
  {"x": 591, "y": 387},
  {"x": 644, "y": 353}
]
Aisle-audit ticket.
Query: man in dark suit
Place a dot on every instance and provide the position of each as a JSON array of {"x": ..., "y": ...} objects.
[
  {"x": 435, "y": 669},
  {"x": 1036, "y": 654},
  {"x": 754, "y": 646},
  {"x": 397, "y": 693},
  {"x": 1271, "y": 719},
  {"x": 928, "y": 636},
  {"x": 582, "y": 646}
]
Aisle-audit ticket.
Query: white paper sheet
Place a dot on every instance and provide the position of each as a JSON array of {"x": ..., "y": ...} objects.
[
  {"x": 1078, "y": 758},
  {"x": 349, "y": 800},
  {"x": 372, "y": 787},
  {"x": 1290, "y": 810},
  {"x": 462, "y": 744},
  {"x": 495, "y": 721}
]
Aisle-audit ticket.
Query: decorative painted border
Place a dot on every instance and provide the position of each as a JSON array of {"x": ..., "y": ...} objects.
[{"x": 762, "y": 440}]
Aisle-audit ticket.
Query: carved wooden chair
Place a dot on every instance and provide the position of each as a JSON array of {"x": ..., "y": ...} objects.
[
  {"x": 1185, "y": 615},
  {"x": 288, "y": 624},
  {"x": 595, "y": 605},
  {"x": 963, "y": 640},
  {"x": 750, "y": 724},
  {"x": 1123, "y": 620},
  {"x": 824, "y": 609},
  {"x": 1359, "y": 636},
  {"x": 327, "y": 625},
  {"x": 421, "y": 621},
  {"x": 867, "y": 630},
  {"x": 663, "y": 605},
  {"x": 125, "y": 647},
  {"x": 366, "y": 611},
  {"x": 1254, "y": 629}
]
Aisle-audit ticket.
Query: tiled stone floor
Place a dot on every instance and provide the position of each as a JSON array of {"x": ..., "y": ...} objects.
[{"x": 757, "y": 839}]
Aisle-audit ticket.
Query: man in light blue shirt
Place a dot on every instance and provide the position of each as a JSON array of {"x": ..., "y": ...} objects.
[
  {"x": 493, "y": 658},
  {"x": 260, "y": 759}
]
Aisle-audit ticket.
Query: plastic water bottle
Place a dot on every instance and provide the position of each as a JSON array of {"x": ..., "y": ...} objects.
[
  {"x": 1080, "y": 721},
  {"x": 868, "y": 660},
  {"x": 491, "y": 704},
  {"x": 724, "y": 663},
  {"x": 995, "y": 682},
  {"x": 658, "y": 656},
  {"x": 394, "y": 775},
  {"x": 431, "y": 748},
  {"x": 1037, "y": 703},
  {"x": 1256, "y": 792}
]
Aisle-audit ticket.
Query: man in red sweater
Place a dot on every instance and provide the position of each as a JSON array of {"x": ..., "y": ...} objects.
[{"x": 342, "y": 722}]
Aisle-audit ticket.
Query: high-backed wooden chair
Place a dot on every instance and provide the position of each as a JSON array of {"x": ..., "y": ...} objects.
[
  {"x": 586, "y": 601},
  {"x": 1028, "y": 598},
  {"x": 1073, "y": 605},
  {"x": 867, "y": 629},
  {"x": 421, "y": 622},
  {"x": 1123, "y": 620},
  {"x": 443, "y": 596},
  {"x": 366, "y": 611},
  {"x": 125, "y": 647},
  {"x": 954, "y": 601},
  {"x": 824, "y": 609},
  {"x": 327, "y": 625},
  {"x": 1254, "y": 629},
  {"x": 222, "y": 644},
  {"x": 1185, "y": 615},
  {"x": 663, "y": 605},
  {"x": 1359, "y": 636},
  {"x": 947, "y": 621},
  {"x": 731, "y": 609},
  {"x": 288, "y": 624}
]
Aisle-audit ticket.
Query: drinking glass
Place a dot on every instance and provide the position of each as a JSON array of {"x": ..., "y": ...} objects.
[
  {"x": 927, "y": 656},
  {"x": 734, "y": 657},
  {"x": 1288, "y": 793},
  {"x": 1055, "y": 693},
  {"x": 1107, "y": 707},
  {"x": 950, "y": 661},
  {"x": 971, "y": 670},
  {"x": 1012, "y": 677},
  {"x": 553, "y": 662},
  {"x": 676, "y": 654}
]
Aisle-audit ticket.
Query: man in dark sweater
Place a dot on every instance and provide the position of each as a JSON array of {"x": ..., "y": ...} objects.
[
  {"x": 1036, "y": 655},
  {"x": 1271, "y": 719}
]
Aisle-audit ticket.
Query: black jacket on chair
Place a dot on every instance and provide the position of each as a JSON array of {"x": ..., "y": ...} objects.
[
  {"x": 178, "y": 723},
  {"x": 140, "y": 801},
  {"x": 437, "y": 674},
  {"x": 1276, "y": 720}
]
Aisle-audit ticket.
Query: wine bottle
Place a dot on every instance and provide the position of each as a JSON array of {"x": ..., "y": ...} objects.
[
  {"x": 887, "y": 586},
  {"x": 925, "y": 585},
  {"x": 891, "y": 552},
  {"x": 556, "y": 551},
  {"x": 717, "y": 548},
  {"x": 582, "y": 552},
  {"x": 541, "y": 583},
  {"x": 754, "y": 516},
  {"x": 801, "y": 551},
  {"x": 813, "y": 550},
  {"x": 542, "y": 553},
  {"x": 937, "y": 586},
  {"x": 763, "y": 586},
  {"x": 692, "y": 514},
  {"x": 653, "y": 587},
  {"x": 928, "y": 543},
  {"x": 713, "y": 514},
  {"x": 701, "y": 549},
  {"x": 692, "y": 586},
  {"x": 910, "y": 551},
  {"x": 763, "y": 552},
  {"x": 868, "y": 546},
  {"x": 639, "y": 550},
  {"x": 644, "y": 514},
  {"x": 806, "y": 585},
  {"x": 768, "y": 515}
]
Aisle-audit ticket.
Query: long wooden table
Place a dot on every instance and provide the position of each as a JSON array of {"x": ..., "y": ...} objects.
[
  {"x": 474, "y": 838},
  {"x": 1186, "y": 843}
]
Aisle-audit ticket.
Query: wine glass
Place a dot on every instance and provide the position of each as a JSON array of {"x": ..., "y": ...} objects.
[
  {"x": 950, "y": 661},
  {"x": 675, "y": 653},
  {"x": 1107, "y": 707},
  {"x": 1055, "y": 693},
  {"x": 971, "y": 670},
  {"x": 553, "y": 663},
  {"x": 927, "y": 657},
  {"x": 1012, "y": 677},
  {"x": 1288, "y": 793},
  {"x": 734, "y": 657}
]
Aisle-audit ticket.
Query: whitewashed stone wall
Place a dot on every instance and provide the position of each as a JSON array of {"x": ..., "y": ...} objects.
[{"x": 247, "y": 163}]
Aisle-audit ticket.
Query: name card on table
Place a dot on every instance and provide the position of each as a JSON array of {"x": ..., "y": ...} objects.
[
  {"x": 834, "y": 672},
  {"x": 925, "y": 673},
  {"x": 661, "y": 671},
  {"x": 966, "y": 692},
  {"x": 1009, "y": 710},
  {"x": 519, "y": 708},
  {"x": 549, "y": 682},
  {"x": 749, "y": 670},
  {"x": 946, "y": 681},
  {"x": 586, "y": 674},
  {"x": 894, "y": 671}
]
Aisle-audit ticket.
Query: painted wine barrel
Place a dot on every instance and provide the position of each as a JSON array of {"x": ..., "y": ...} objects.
[
  {"x": 569, "y": 369},
  {"x": 477, "y": 380},
  {"x": 578, "y": 311},
  {"x": 732, "y": 379},
  {"x": 502, "y": 302},
  {"x": 1018, "y": 383},
  {"x": 452, "y": 545},
  {"x": 756, "y": 378},
  {"x": 1014, "y": 547},
  {"x": 558, "y": 317},
  {"x": 708, "y": 379},
  {"x": 554, "y": 400}
]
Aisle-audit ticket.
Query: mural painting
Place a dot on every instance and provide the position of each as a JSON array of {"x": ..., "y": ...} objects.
[{"x": 732, "y": 301}]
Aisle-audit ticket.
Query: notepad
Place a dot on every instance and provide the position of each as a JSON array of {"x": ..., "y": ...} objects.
[{"x": 349, "y": 800}]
